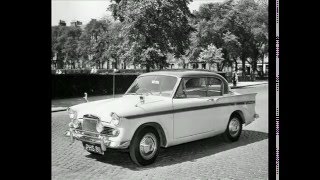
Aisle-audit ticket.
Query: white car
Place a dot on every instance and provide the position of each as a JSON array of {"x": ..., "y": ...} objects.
[{"x": 162, "y": 109}]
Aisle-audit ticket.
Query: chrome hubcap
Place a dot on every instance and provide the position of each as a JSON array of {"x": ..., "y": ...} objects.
[
  {"x": 234, "y": 127},
  {"x": 148, "y": 146}
]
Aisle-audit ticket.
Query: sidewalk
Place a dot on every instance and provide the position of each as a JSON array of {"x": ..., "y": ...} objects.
[
  {"x": 246, "y": 84},
  {"x": 62, "y": 104}
]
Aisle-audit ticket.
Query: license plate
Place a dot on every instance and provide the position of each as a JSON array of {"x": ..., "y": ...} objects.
[{"x": 93, "y": 148}]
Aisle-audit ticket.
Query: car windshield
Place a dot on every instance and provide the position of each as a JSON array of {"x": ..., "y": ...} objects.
[{"x": 153, "y": 85}]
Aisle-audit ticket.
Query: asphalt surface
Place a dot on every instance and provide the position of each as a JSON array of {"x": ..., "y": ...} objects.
[{"x": 210, "y": 158}]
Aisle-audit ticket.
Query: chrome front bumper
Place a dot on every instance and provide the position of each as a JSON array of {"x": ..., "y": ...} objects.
[{"x": 104, "y": 141}]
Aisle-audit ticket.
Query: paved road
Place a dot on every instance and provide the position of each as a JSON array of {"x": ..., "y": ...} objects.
[{"x": 210, "y": 158}]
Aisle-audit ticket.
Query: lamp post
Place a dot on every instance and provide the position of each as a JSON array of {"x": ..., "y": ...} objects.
[{"x": 114, "y": 71}]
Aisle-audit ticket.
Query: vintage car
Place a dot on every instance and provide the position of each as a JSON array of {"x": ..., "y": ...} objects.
[{"x": 162, "y": 109}]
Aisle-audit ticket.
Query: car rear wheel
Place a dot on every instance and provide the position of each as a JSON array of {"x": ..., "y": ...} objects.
[
  {"x": 234, "y": 129},
  {"x": 144, "y": 148}
]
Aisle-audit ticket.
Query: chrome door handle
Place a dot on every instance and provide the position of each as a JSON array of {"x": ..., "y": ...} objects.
[{"x": 213, "y": 99}]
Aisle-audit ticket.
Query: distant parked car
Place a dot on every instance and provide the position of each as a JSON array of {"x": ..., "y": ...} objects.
[{"x": 162, "y": 109}]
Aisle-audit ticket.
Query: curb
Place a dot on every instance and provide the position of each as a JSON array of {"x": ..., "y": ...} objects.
[
  {"x": 237, "y": 87},
  {"x": 58, "y": 110}
]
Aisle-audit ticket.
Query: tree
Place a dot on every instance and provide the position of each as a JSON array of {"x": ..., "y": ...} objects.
[
  {"x": 154, "y": 28},
  {"x": 59, "y": 35},
  {"x": 238, "y": 27},
  {"x": 232, "y": 47},
  {"x": 211, "y": 26},
  {"x": 94, "y": 41},
  {"x": 249, "y": 23},
  {"x": 117, "y": 48},
  {"x": 70, "y": 46},
  {"x": 212, "y": 55}
]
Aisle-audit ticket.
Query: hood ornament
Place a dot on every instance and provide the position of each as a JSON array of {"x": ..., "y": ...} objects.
[{"x": 141, "y": 99}]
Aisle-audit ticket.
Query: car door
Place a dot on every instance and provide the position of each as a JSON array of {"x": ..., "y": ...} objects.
[
  {"x": 218, "y": 109},
  {"x": 194, "y": 111}
]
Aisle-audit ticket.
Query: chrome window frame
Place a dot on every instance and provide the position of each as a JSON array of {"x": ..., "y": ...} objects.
[{"x": 182, "y": 78}]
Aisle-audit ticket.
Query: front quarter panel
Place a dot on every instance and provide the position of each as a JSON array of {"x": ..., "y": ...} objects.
[{"x": 157, "y": 112}]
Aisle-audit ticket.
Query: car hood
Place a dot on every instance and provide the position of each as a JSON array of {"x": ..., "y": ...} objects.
[{"x": 126, "y": 105}]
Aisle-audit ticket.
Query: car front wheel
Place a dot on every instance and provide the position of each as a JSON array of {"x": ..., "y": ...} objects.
[
  {"x": 144, "y": 147},
  {"x": 234, "y": 129}
]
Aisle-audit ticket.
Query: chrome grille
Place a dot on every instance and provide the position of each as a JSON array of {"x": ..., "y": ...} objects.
[{"x": 89, "y": 123}]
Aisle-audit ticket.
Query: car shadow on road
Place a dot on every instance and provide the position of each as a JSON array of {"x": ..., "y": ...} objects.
[{"x": 181, "y": 153}]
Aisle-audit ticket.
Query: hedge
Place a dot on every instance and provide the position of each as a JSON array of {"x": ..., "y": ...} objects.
[
  {"x": 75, "y": 82},
  {"x": 74, "y": 85}
]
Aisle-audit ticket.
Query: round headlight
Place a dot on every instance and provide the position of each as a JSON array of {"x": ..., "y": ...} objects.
[
  {"x": 76, "y": 123},
  {"x": 115, "y": 119},
  {"x": 115, "y": 132},
  {"x": 99, "y": 127}
]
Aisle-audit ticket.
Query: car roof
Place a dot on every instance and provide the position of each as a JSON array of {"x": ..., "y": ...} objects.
[
  {"x": 190, "y": 73},
  {"x": 182, "y": 73}
]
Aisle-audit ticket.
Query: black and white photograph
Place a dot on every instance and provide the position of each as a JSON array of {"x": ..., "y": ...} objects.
[{"x": 161, "y": 89}]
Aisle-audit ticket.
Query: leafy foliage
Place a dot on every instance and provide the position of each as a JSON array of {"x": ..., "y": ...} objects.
[
  {"x": 154, "y": 28},
  {"x": 147, "y": 32},
  {"x": 212, "y": 55}
]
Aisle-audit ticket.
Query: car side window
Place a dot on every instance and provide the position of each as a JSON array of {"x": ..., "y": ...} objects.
[
  {"x": 215, "y": 87},
  {"x": 180, "y": 91},
  {"x": 195, "y": 87}
]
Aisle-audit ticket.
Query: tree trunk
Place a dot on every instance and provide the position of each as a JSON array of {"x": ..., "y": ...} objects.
[
  {"x": 254, "y": 69},
  {"x": 243, "y": 59},
  {"x": 222, "y": 66},
  {"x": 116, "y": 64},
  {"x": 236, "y": 65},
  {"x": 262, "y": 72},
  {"x": 160, "y": 67},
  {"x": 147, "y": 67}
]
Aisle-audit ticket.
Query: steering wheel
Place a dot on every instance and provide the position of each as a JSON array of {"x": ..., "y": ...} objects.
[{"x": 147, "y": 90}]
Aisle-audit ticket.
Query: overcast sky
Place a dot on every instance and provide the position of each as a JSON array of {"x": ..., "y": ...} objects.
[{"x": 85, "y": 10}]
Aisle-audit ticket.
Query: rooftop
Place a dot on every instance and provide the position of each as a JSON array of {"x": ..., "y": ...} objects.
[{"x": 182, "y": 73}]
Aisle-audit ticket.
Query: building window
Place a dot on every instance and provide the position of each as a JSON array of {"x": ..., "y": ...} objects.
[
  {"x": 204, "y": 66},
  {"x": 248, "y": 70},
  {"x": 267, "y": 69},
  {"x": 194, "y": 66}
]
